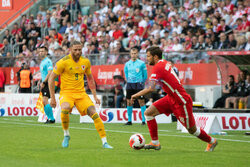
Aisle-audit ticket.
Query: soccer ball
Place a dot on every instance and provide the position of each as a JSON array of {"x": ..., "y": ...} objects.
[{"x": 137, "y": 141}]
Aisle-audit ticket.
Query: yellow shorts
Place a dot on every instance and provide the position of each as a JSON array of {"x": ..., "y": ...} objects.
[{"x": 80, "y": 100}]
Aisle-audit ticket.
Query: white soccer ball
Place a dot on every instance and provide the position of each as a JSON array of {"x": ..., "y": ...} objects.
[{"x": 137, "y": 141}]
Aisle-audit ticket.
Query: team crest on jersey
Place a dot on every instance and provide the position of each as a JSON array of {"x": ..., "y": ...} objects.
[
  {"x": 83, "y": 67},
  {"x": 137, "y": 69}
]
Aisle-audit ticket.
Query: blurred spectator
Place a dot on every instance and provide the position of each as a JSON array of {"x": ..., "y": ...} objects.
[
  {"x": 241, "y": 43},
  {"x": 246, "y": 100},
  {"x": 34, "y": 32},
  {"x": 42, "y": 11},
  {"x": 16, "y": 29},
  {"x": 223, "y": 44},
  {"x": 19, "y": 60},
  {"x": 26, "y": 52},
  {"x": 6, "y": 47},
  {"x": 7, "y": 35},
  {"x": 74, "y": 5},
  {"x": 232, "y": 43},
  {"x": 53, "y": 45},
  {"x": 65, "y": 15},
  {"x": 247, "y": 47},
  {"x": 2, "y": 80},
  {"x": 228, "y": 90},
  {"x": 8, "y": 61}
]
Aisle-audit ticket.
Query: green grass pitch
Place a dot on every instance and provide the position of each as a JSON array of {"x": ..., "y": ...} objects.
[{"x": 25, "y": 142}]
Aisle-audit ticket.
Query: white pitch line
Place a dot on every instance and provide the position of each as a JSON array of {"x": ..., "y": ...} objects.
[{"x": 115, "y": 131}]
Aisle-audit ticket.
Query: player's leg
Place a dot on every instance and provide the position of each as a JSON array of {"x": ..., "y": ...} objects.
[
  {"x": 65, "y": 110},
  {"x": 47, "y": 108},
  {"x": 66, "y": 103},
  {"x": 185, "y": 115},
  {"x": 150, "y": 114},
  {"x": 143, "y": 109},
  {"x": 98, "y": 125},
  {"x": 86, "y": 106},
  {"x": 159, "y": 107},
  {"x": 129, "y": 106}
]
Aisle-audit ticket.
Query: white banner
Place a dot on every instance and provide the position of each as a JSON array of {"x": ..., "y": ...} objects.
[
  {"x": 119, "y": 115},
  {"x": 24, "y": 104},
  {"x": 227, "y": 121},
  {"x": 209, "y": 123}
]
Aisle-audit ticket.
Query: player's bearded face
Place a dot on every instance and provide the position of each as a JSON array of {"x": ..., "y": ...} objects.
[
  {"x": 150, "y": 59},
  {"x": 76, "y": 51}
]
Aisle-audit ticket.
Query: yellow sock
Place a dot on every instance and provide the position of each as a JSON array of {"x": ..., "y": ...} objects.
[
  {"x": 99, "y": 125},
  {"x": 65, "y": 119}
]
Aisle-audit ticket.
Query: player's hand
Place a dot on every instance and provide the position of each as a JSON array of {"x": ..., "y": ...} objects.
[
  {"x": 133, "y": 97},
  {"x": 98, "y": 101},
  {"x": 53, "y": 102},
  {"x": 41, "y": 86}
]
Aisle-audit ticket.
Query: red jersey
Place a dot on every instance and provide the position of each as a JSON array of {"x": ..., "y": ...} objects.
[{"x": 163, "y": 73}]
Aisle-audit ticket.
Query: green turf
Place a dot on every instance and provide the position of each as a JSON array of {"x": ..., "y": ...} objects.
[{"x": 25, "y": 142}]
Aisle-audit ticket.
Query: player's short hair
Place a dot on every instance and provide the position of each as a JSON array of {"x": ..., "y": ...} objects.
[
  {"x": 44, "y": 47},
  {"x": 75, "y": 43},
  {"x": 135, "y": 49},
  {"x": 155, "y": 51}
]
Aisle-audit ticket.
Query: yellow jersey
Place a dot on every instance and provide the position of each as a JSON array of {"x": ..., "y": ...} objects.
[{"x": 72, "y": 74}]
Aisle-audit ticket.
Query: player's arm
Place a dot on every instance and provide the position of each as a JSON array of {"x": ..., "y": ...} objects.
[
  {"x": 51, "y": 84},
  {"x": 144, "y": 72},
  {"x": 149, "y": 88},
  {"x": 59, "y": 68},
  {"x": 92, "y": 87},
  {"x": 126, "y": 72}
]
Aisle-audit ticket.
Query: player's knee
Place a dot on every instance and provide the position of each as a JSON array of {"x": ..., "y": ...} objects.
[
  {"x": 65, "y": 106},
  {"x": 91, "y": 111},
  {"x": 194, "y": 131}
]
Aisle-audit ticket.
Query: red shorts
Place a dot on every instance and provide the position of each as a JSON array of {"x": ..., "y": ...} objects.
[{"x": 183, "y": 112}]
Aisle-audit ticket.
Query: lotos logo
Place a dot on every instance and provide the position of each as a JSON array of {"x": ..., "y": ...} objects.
[
  {"x": 106, "y": 116},
  {"x": 2, "y": 111}
]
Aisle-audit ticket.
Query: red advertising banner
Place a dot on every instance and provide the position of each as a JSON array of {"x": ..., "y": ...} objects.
[
  {"x": 189, "y": 74},
  {"x": 6, "y": 4}
]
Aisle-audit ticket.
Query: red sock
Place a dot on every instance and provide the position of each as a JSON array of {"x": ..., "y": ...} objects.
[
  {"x": 204, "y": 136},
  {"x": 153, "y": 129}
]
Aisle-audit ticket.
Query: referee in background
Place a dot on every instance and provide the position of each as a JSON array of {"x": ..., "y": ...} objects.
[{"x": 136, "y": 75}]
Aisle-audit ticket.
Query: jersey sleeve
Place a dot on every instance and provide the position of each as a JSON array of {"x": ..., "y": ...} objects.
[
  {"x": 59, "y": 67},
  {"x": 49, "y": 65},
  {"x": 88, "y": 65},
  {"x": 155, "y": 75}
]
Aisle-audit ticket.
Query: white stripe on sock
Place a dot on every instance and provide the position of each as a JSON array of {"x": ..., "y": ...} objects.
[
  {"x": 148, "y": 118},
  {"x": 104, "y": 140},
  {"x": 66, "y": 132}
]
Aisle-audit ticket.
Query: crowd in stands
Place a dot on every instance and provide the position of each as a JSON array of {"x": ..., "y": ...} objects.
[{"x": 117, "y": 27}]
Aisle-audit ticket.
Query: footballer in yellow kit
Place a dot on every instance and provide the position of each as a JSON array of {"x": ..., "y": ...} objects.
[
  {"x": 72, "y": 69},
  {"x": 72, "y": 82}
]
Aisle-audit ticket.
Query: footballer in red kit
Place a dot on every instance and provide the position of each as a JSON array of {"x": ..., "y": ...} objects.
[{"x": 176, "y": 101}]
